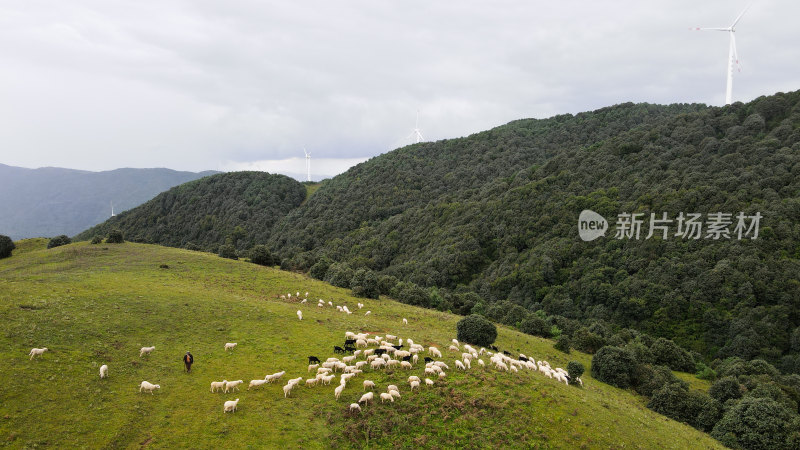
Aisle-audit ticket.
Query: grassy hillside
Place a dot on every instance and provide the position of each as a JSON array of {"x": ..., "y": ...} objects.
[
  {"x": 50, "y": 201},
  {"x": 96, "y": 304},
  {"x": 237, "y": 207}
]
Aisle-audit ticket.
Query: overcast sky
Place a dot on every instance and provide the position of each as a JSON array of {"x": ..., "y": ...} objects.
[{"x": 231, "y": 85}]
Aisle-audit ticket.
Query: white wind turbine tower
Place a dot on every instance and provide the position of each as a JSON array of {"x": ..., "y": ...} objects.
[
  {"x": 112, "y": 209},
  {"x": 416, "y": 134},
  {"x": 308, "y": 164},
  {"x": 733, "y": 57}
]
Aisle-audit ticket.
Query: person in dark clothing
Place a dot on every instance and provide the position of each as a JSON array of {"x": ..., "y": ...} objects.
[{"x": 188, "y": 359}]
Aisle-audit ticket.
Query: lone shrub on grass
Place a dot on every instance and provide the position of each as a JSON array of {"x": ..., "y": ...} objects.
[
  {"x": 261, "y": 255},
  {"x": 476, "y": 330},
  {"x": 6, "y": 246},
  {"x": 115, "y": 237},
  {"x": 575, "y": 370},
  {"x": 228, "y": 251},
  {"x": 58, "y": 241},
  {"x": 97, "y": 240}
]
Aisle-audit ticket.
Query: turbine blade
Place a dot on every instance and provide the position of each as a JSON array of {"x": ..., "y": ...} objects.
[
  {"x": 740, "y": 16},
  {"x": 710, "y": 29},
  {"x": 735, "y": 54}
]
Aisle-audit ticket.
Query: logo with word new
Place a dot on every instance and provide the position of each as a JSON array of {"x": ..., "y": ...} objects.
[
  {"x": 716, "y": 226},
  {"x": 591, "y": 225}
]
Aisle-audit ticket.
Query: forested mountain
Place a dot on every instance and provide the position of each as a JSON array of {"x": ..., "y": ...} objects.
[
  {"x": 496, "y": 214},
  {"x": 50, "y": 201},
  {"x": 237, "y": 208}
]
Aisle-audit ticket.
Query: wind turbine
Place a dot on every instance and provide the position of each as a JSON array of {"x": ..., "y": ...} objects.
[
  {"x": 308, "y": 164},
  {"x": 416, "y": 134},
  {"x": 733, "y": 57},
  {"x": 112, "y": 209}
]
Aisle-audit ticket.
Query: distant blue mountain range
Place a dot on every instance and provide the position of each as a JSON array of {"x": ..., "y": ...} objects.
[{"x": 50, "y": 201}]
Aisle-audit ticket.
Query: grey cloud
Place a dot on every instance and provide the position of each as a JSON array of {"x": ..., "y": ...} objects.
[{"x": 198, "y": 85}]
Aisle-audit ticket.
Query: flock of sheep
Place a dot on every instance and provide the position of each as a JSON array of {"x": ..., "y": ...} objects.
[{"x": 372, "y": 353}]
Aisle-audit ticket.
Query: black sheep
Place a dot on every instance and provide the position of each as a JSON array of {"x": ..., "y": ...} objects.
[
  {"x": 337, "y": 349},
  {"x": 407, "y": 358},
  {"x": 313, "y": 360},
  {"x": 188, "y": 360},
  {"x": 427, "y": 360}
]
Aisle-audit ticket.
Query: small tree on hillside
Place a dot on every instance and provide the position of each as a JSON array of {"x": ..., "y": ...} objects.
[
  {"x": 6, "y": 246},
  {"x": 228, "y": 251},
  {"x": 562, "y": 344},
  {"x": 575, "y": 370},
  {"x": 365, "y": 284},
  {"x": 58, "y": 241},
  {"x": 115, "y": 237},
  {"x": 615, "y": 366},
  {"x": 261, "y": 255},
  {"x": 97, "y": 240},
  {"x": 476, "y": 330}
]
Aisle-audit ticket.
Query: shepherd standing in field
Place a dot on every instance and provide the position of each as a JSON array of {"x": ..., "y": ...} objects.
[{"x": 187, "y": 361}]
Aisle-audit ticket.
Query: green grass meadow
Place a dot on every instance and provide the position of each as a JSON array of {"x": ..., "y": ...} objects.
[{"x": 99, "y": 304}]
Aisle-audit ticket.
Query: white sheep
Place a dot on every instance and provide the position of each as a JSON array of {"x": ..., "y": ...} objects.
[
  {"x": 230, "y": 406},
  {"x": 288, "y": 389},
  {"x": 580, "y": 381},
  {"x": 368, "y": 313},
  {"x": 455, "y": 341},
  {"x": 298, "y": 293},
  {"x": 311, "y": 382},
  {"x": 218, "y": 385},
  {"x": 230, "y": 345},
  {"x": 392, "y": 387},
  {"x": 300, "y": 314},
  {"x": 327, "y": 379},
  {"x": 414, "y": 384},
  {"x": 312, "y": 367},
  {"x": 306, "y": 294},
  {"x": 355, "y": 407},
  {"x": 394, "y": 393},
  {"x": 434, "y": 352},
  {"x": 338, "y": 391},
  {"x": 256, "y": 383},
  {"x": 143, "y": 351},
  {"x": 148, "y": 387},
  {"x": 103, "y": 371},
  {"x": 453, "y": 348},
  {"x": 442, "y": 375},
  {"x": 428, "y": 382},
  {"x": 233, "y": 385},
  {"x": 37, "y": 352},
  {"x": 480, "y": 361},
  {"x": 360, "y": 305},
  {"x": 460, "y": 365},
  {"x": 405, "y": 364},
  {"x": 405, "y": 321},
  {"x": 386, "y": 396},
  {"x": 274, "y": 376},
  {"x": 413, "y": 378},
  {"x": 366, "y": 398}
]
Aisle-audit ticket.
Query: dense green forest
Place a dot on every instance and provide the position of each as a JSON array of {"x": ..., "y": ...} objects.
[
  {"x": 489, "y": 224},
  {"x": 238, "y": 208}
]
